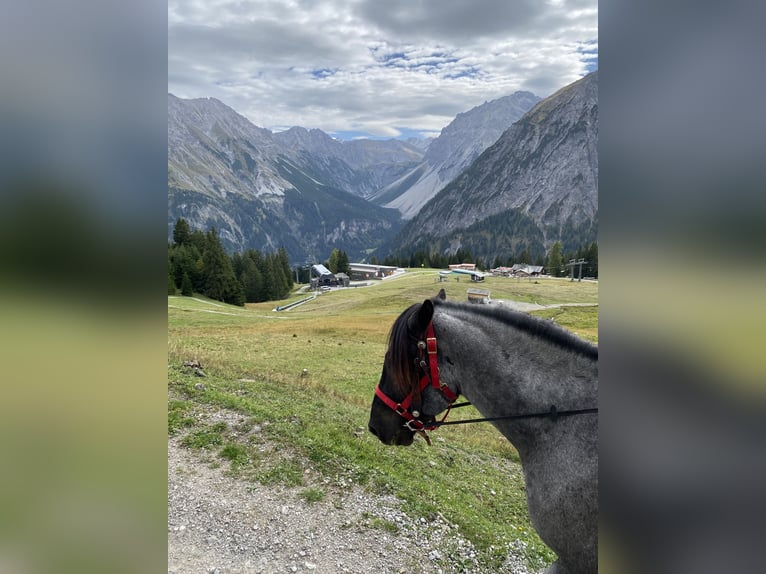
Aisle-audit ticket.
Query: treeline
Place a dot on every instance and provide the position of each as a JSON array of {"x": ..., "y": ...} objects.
[
  {"x": 554, "y": 262},
  {"x": 338, "y": 262},
  {"x": 422, "y": 258},
  {"x": 197, "y": 263}
]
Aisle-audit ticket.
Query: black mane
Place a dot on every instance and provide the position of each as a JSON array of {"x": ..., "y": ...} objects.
[
  {"x": 397, "y": 359},
  {"x": 536, "y": 326}
]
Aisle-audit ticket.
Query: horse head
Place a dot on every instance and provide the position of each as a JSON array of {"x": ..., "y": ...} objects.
[{"x": 398, "y": 397}]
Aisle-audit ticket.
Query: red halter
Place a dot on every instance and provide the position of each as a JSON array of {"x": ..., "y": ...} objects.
[{"x": 430, "y": 377}]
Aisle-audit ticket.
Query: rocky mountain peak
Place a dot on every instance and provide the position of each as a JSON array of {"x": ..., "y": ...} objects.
[
  {"x": 542, "y": 172},
  {"x": 458, "y": 144}
]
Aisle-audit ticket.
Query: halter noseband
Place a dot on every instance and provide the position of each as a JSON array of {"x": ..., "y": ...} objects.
[{"x": 430, "y": 378}]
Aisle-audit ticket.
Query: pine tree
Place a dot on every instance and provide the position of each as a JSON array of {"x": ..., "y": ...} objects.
[
  {"x": 332, "y": 262},
  {"x": 172, "y": 289},
  {"x": 236, "y": 293},
  {"x": 237, "y": 263},
  {"x": 252, "y": 281},
  {"x": 181, "y": 232},
  {"x": 268, "y": 292},
  {"x": 186, "y": 286},
  {"x": 198, "y": 239},
  {"x": 554, "y": 261},
  {"x": 281, "y": 286},
  {"x": 343, "y": 264},
  {"x": 591, "y": 255},
  {"x": 184, "y": 259},
  {"x": 220, "y": 282},
  {"x": 284, "y": 262}
]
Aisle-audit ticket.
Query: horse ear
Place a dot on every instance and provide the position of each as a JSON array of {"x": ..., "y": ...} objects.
[
  {"x": 442, "y": 294},
  {"x": 418, "y": 322}
]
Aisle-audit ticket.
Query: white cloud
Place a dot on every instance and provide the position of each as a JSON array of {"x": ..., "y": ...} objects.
[{"x": 372, "y": 66}]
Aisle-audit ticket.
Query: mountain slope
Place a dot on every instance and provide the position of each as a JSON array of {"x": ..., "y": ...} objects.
[
  {"x": 260, "y": 192},
  {"x": 543, "y": 169},
  {"x": 360, "y": 167},
  {"x": 458, "y": 145}
]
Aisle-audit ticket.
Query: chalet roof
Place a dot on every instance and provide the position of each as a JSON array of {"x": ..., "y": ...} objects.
[
  {"x": 368, "y": 267},
  {"x": 469, "y": 266},
  {"x": 321, "y": 270},
  {"x": 527, "y": 268}
]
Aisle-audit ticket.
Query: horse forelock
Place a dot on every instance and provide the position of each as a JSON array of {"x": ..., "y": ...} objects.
[{"x": 397, "y": 361}]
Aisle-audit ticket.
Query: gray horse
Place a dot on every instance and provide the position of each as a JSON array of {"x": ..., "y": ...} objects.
[{"x": 537, "y": 383}]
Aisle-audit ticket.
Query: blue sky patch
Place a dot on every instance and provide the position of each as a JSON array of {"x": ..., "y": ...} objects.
[{"x": 323, "y": 72}]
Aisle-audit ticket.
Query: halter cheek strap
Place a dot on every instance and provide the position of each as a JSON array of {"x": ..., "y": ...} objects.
[
  {"x": 434, "y": 367},
  {"x": 430, "y": 378}
]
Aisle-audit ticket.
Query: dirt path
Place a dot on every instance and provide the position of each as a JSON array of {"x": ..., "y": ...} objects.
[
  {"x": 223, "y": 525},
  {"x": 526, "y": 307}
]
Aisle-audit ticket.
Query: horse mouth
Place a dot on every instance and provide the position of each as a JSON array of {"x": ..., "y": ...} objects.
[
  {"x": 401, "y": 438},
  {"x": 404, "y": 439}
]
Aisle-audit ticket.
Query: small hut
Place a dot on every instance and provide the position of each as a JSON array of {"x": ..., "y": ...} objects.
[{"x": 480, "y": 296}]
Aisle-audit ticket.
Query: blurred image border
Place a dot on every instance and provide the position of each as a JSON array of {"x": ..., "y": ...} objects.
[{"x": 83, "y": 230}]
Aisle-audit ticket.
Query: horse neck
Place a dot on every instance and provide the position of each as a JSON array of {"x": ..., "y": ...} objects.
[{"x": 504, "y": 370}]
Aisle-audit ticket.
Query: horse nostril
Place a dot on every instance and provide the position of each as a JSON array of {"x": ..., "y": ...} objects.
[{"x": 372, "y": 430}]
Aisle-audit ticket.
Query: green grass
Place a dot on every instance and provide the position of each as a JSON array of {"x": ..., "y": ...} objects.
[
  {"x": 582, "y": 321},
  {"x": 236, "y": 453},
  {"x": 178, "y": 418},
  {"x": 313, "y": 423},
  {"x": 286, "y": 472},
  {"x": 312, "y": 494},
  {"x": 205, "y": 437},
  {"x": 380, "y": 523}
]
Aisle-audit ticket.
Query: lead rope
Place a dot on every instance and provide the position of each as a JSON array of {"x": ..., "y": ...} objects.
[{"x": 553, "y": 414}]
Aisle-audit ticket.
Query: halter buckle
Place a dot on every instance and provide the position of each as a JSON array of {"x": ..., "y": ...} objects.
[{"x": 419, "y": 425}]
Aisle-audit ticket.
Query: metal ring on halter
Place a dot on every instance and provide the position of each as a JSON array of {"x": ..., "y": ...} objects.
[{"x": 417, "y": 422}]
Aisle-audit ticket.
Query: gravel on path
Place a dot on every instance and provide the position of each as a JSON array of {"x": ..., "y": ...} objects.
[{"x": 220, "y": 524}]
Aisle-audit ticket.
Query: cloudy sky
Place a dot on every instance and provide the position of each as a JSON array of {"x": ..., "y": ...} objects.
[{"x": 380, "y": 68}]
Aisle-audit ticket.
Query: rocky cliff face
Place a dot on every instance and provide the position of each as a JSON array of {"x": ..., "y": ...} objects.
[
  {"x": 263, "y": 190},
  {"x": 544, "y": 168},
  {"x": 214, "y": 151},
  {"x": 458, "y": 145}
]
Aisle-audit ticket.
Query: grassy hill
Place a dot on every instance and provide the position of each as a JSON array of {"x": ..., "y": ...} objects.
[{"x": 305, "y": 378}]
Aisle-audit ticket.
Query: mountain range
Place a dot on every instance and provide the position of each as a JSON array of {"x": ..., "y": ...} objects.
[
  {"x": 457, "y": 146},
  {"x": 537, "y": 184},
  {"x": 263, "y": 190},
  {"x": 518, "y": 166}
]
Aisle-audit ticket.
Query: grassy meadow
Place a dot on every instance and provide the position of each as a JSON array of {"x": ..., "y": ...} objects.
[{"x": 301, "y": 382}]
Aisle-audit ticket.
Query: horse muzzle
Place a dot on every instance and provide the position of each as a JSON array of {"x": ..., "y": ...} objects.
[{"x": 402, "y": 437}]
